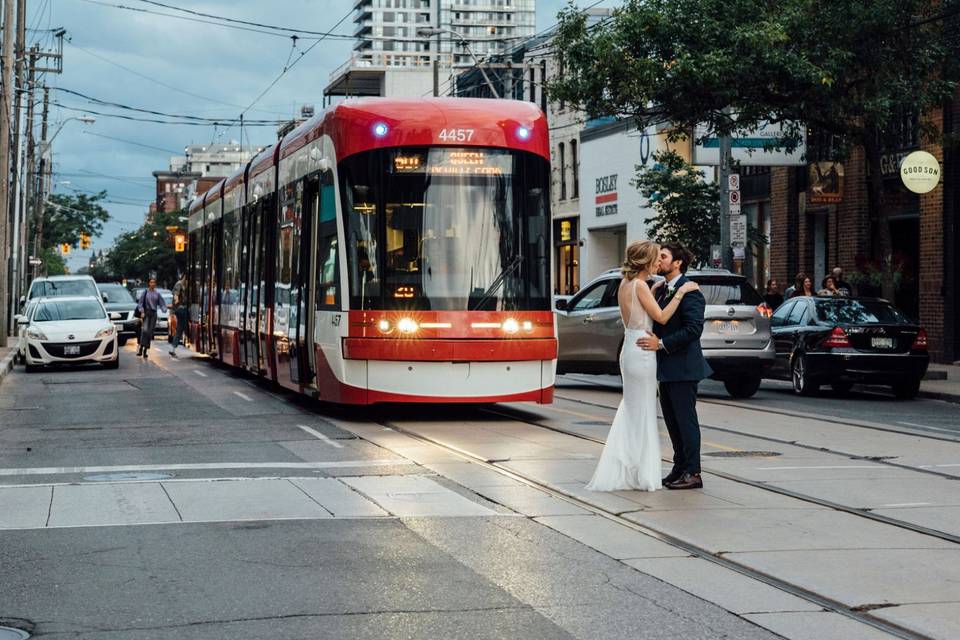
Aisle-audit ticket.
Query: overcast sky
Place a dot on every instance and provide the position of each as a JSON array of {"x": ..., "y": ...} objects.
[{"x": 215, "y": 72}]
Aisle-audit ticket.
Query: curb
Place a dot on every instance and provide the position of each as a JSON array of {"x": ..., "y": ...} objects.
[
  {"x": 938, "y": 395},
  {"x": 6, "y": 365}
]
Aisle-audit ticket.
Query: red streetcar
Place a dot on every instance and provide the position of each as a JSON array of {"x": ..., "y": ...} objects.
[{"x": 385, "y": 251}]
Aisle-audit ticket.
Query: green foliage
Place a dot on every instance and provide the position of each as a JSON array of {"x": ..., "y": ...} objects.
[
  {"x": 53, "y": 262},
  {"x": 148, "y": 252},
  {"x": 688, "y": 209},
  {"x": 67, "y": 216}
]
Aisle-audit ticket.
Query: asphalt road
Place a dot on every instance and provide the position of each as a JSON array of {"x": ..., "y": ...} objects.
[{"x": 174, "y": 499}]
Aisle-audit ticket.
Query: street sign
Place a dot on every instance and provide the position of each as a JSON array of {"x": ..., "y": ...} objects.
[
  {"x": 36, "y": 262},
  {"x": 734, "y": 209},
  {"x": 734, "y": 197},
  {"x": 764, "y": 146},
  {"x": 733, "y": 182},
  {"x": 738, "y": 231}
]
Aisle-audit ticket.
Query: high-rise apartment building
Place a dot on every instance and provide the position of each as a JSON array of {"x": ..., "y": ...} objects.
[{"x": 410, "y": 47}]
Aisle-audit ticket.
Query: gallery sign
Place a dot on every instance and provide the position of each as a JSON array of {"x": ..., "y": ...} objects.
[
  {"x": 764, "y": 146},
  {"x": 920, "y": 172}
]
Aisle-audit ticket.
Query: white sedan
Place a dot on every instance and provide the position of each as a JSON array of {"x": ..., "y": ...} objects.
[{"x": 69, "y": 330}]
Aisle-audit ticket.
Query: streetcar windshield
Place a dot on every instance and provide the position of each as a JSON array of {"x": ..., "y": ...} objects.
[{"x": 447, "y": 229}]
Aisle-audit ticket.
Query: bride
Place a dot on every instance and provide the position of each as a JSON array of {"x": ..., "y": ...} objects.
[{"x": 631, "y": 455}]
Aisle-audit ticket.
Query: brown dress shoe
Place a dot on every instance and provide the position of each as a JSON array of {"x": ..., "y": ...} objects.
[{"x": 686, "y": 481}]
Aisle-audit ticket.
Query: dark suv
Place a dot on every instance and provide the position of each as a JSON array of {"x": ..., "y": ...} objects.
[{"x": 736, "y": 331}]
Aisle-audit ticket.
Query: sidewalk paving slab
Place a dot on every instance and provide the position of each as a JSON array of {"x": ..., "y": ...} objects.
[
  {"x": 24, "y": 507},
  {"x": 110, "y": 504},
  {"x": 819, "y": 625},
  {"x": 937, "y": 620},
  {"x": 609, "y": 538}
]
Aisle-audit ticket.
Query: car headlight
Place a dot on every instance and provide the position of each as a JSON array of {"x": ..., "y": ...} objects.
[
  {"x": 103, "y": 333},
  {"x": 36, "y": 334}
]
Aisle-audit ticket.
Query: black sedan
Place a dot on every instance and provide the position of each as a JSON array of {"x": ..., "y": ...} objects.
[
  {"x": 118, "y": 300},
  {"x": 843, "y": 341}
]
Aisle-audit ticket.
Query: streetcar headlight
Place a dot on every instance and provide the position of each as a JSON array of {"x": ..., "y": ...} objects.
[
  {"x": 407, "y": 325},
  {"x": 527, "y": 326},
  {"x": 380, "y": 129},
  {"x": 384, "y": 326},
  {"x": 511, "y": 326},
  {"x": 523, "y": 133}
]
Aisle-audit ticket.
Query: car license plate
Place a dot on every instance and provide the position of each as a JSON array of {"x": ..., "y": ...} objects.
[
  {"x": 726, "y": 326},
  {"x": 71, "y": 350},
  {"x": 881, "y": 343}
]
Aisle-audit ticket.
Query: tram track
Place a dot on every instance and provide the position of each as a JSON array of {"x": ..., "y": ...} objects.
[
  {"x": 858, "y": 613},
  {"x": 811, "y": 447}
]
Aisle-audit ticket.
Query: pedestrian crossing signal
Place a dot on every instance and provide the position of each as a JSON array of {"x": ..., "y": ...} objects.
[
  {"x": 84, "y": 241},
  {"x": 180, "y": 242},
  {"x": 65, "y": 248}
]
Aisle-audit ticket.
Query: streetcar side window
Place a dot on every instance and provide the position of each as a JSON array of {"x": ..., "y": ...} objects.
[{"x": 327, "y": 264}]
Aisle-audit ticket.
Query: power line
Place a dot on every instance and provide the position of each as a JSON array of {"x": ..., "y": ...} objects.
[
  {"x": 189, "y": 123},
  {"x": 137, "y": 144},
  {"x": 246, "y": 22},
  {"x": 108, "y": 103}
]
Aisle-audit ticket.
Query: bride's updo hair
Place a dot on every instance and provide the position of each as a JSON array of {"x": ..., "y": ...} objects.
[{"x": 640, "y": 255}]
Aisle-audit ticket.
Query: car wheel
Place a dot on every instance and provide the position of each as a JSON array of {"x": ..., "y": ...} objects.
[
  {"x": 30, "y": 368},
  {"x": 742, "y": 388},
  {"x": 113, "y": 364},
  {"x": 801, "y": 379},
  {"x": 842, "y": 388},
  {"x": 907, "y": 389}
]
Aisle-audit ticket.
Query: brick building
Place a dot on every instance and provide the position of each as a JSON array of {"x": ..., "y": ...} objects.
[{"x": 811, "y": 237}]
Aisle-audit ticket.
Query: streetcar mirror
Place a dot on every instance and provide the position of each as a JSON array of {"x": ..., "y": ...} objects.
[{"x": 561, "y": 304}]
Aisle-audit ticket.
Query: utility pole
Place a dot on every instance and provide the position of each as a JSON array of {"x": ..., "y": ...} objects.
[
  {"x": 6, "y": 101},
  {"x": 723, "y": 176},
  {"x": 40, "y": 195},
  {"x": 29, "y": 162},
  {"x": 17, "y": 248}
]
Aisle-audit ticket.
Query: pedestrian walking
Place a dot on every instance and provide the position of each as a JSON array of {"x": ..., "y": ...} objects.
[
  {"x": 772, "y": 296},
  {"x": 148, "y": 304},
  {"x": 181, "y": 311}
]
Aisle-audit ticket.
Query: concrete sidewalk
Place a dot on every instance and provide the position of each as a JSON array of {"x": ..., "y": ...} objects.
[
  {"x": 942, "y": 383},
  {"x": 6, "y": 361}
]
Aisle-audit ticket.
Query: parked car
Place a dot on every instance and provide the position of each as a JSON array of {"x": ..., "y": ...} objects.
[
  {"x": 736, "y": 334},
  {"x": 20, "y": 328},
  {"x": 844, "y": 341},
  {"x": 53, "y": 286},
  {"x": 119, "y": 301},
  {"x": 69, "y": 330}
]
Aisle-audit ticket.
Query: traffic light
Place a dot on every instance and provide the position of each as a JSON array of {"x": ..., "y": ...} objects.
[
  {"x": 180, "y": 242},
  {"x": 84, "y": 241},
  {"x": 65, "y": 248}
]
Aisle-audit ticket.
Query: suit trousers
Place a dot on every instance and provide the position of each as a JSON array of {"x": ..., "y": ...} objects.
[
  {"x": 147, "y": 329},
  {"x": 678, "y": 400}
]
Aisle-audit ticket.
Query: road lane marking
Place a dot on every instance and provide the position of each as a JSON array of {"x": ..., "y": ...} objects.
[
  {"x": 932, "y": 466},
  {"x": 858, "y": 466},
  {"x": 343, "y": 464},
  {"x": 200, "y": 373},
  {"x": 927, "y": 426},
  {"x": 320, "y": 436},
  {"x": 244, "y": 396},
  {"x": 905, "y": 504}
]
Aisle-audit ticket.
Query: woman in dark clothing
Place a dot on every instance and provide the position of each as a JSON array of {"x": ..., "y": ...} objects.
[
  {"x": 803, "y": 286},
  {"x": 150, "y": 300},
  {"x": 772, "y": 296}
]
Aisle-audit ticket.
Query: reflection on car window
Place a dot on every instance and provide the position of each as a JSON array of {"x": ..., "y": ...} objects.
[
  {"x": 727, "y": 291},
  {"x": 53, "y": 288},
  {"x": 592, "y": 297},
  {"x": 69, "y": 310},
  {"x": 846, "y": 311},
  {"x": 796, "y": 315},
  {"x": 116, "y": 293},
  {"x": 782, "y": 313}
]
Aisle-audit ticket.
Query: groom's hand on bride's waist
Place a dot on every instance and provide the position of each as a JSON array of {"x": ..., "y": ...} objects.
[{"x": 649, "y": 343}]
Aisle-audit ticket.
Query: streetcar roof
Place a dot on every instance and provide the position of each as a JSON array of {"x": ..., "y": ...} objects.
[
  {"x": 213, "y": 193},
  {"x": 263, "y": 160},
  {"x": 420, "y": 122},
  {"x": 196, "y": 203},
  {"x": 234, "y": 179}
]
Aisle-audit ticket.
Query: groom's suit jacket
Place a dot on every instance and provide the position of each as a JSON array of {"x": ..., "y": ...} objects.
[{"x": 681, "y": 359}]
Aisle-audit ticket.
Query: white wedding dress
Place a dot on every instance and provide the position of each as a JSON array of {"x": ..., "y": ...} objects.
[{"x": 631, "y": 455}]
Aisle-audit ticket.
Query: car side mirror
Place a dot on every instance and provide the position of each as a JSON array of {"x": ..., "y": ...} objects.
[
  {"x": 23, "y": 320},
  {"x": 562, "y": 305},
  {"x": 103, "y": 297},
  {"x": 23, "y": 300},
  {"x": 114, "y": 315}
]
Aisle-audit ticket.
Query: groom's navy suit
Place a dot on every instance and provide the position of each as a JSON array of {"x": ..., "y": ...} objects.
[{"x": 680, "y": 366}]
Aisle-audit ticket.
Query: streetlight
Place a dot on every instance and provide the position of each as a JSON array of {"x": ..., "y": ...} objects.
[
  {"x": 83, "y": 119},
  {"x": 426, "y": 32}
]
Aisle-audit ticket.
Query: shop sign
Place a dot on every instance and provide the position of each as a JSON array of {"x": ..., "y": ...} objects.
[
  {"x": 826, "y": 183},
  {"x": 920, "y": 172},
  {"x": 606, "y": 195},
  {"x": 565, "y": 231}
]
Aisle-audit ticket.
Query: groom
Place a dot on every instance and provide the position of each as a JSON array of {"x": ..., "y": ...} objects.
[{"x": 680, "y": 367}]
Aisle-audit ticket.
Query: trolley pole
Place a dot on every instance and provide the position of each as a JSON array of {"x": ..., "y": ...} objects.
[{"x": 6, "y": 101}]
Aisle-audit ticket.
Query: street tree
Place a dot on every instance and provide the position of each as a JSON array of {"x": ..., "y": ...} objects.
[
  {"x": 852, "y": 69},
  {"x": 148, "y": 252},
  {"x": 68, "y": 216}
]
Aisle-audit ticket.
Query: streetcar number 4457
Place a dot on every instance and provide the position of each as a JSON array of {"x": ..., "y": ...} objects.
[{"x": 456, "y": 135}]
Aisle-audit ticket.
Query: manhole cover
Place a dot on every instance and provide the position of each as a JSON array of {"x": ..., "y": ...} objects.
[
  {"x": 121, "y": 477},
  {"x": 742, "y": 454},
  {"x": 8, "y": 633}
]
